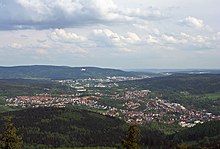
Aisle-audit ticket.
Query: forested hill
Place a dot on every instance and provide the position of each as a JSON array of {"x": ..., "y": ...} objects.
[
  {"x": 191, "y": 83},
  {"x": 60, "y": 72},
  {"x": 69, "y": 127}
]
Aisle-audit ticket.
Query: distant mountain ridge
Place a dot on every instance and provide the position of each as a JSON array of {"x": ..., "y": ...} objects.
[
  {"x": 173, "y": 71},
  {"x": 60, "y": 72}
]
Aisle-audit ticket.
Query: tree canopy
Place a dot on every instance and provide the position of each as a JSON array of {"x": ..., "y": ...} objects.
[
  {"x": 9, "y": 138},
  {"x": 132, "y": 140}
]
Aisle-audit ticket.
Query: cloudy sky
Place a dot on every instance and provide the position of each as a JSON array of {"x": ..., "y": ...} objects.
[{"x": 111, "y": 33}]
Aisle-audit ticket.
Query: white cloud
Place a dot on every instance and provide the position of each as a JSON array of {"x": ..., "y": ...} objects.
[
  {"x": 132, "y": 38},
  {"x": 152, "y": 39},
  {"x": 108, "y": 38},
  {"x": 149, "y": 28},
  {"x": 148, "y": 13},
  {"x": 200, "y": 39},
  {"x": 15, "y": 45},
  {"x": 162, "y": 40},
  {"x": 105, "y": 37},
  {"x": 184, "y": 35},
  {"x": 196, "y": 42},
  {"x": 217, "y": 36},
  {"x": 182, "y": 41},
  {"x": 169, "y": 38},
  {"x": 63, "y": 36},
  {"x": 195, "y": 23},
  {"x": 68, "y": 42},
  {"x": 41, "y": 44},
  {"x": 196, "y": 38}
]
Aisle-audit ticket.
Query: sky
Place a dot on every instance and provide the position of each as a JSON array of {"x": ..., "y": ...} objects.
[{"x": 126, "y": 34}]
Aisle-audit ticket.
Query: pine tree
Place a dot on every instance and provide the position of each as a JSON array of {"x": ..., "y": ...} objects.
[
  {"x": 9, "y": 139},
  {"x": 182, "y": 146},
  {"x": 132, "y": 140}
]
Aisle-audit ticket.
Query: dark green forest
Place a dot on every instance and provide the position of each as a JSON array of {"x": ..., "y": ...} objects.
[
  {"x": 66, "y": 127},
  {"x": 189, "y": 83},
  {"x": 17, "y": 87},
  {"x": 71, "y": 127}
]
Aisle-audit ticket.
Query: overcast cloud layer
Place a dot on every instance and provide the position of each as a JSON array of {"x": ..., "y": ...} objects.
[{"x": 111, "y": 33}]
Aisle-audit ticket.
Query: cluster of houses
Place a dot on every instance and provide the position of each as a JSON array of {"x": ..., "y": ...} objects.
[
  {"x": 50, "y": 101},
  {"x": 138, "y": 108},
  {"x": 135, "y": 107},
  {"x": 81, "y": 84},
  {"x": 131, "y": 94}
]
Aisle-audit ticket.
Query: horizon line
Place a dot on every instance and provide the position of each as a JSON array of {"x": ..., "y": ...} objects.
[{"x": 129, "y": 69}]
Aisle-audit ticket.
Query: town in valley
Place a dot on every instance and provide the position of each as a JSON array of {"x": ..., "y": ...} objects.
[{"x": 107, "y": 97}]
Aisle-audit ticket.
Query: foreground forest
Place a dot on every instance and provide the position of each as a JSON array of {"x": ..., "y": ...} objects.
[
  {"x": 66, "y": 127},
  {"x": 71, "y": 127}
]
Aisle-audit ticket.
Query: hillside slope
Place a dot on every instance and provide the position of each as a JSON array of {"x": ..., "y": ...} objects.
[
  {"x": 66, "y": 127},
  {"x": 206, "y": 135},
  {"x": 16, "y": 87},
  {"x": 71, "y": 127},
  {"x": 192, "y": 83}
]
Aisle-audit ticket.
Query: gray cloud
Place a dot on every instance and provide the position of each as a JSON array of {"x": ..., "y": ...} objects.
[
  {"x": 22, "y": 14},
  {"x": 35, "y": 14}
]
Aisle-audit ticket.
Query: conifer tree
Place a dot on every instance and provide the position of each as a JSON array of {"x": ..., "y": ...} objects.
[
  {"x": 132, "y": 141},
  {"x": 9, "y": 139}
]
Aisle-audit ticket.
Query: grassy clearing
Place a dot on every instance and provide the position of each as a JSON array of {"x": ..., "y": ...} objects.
[
  {"x": 4, "y": 108},
  {"x": 213, "y": 96}
]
